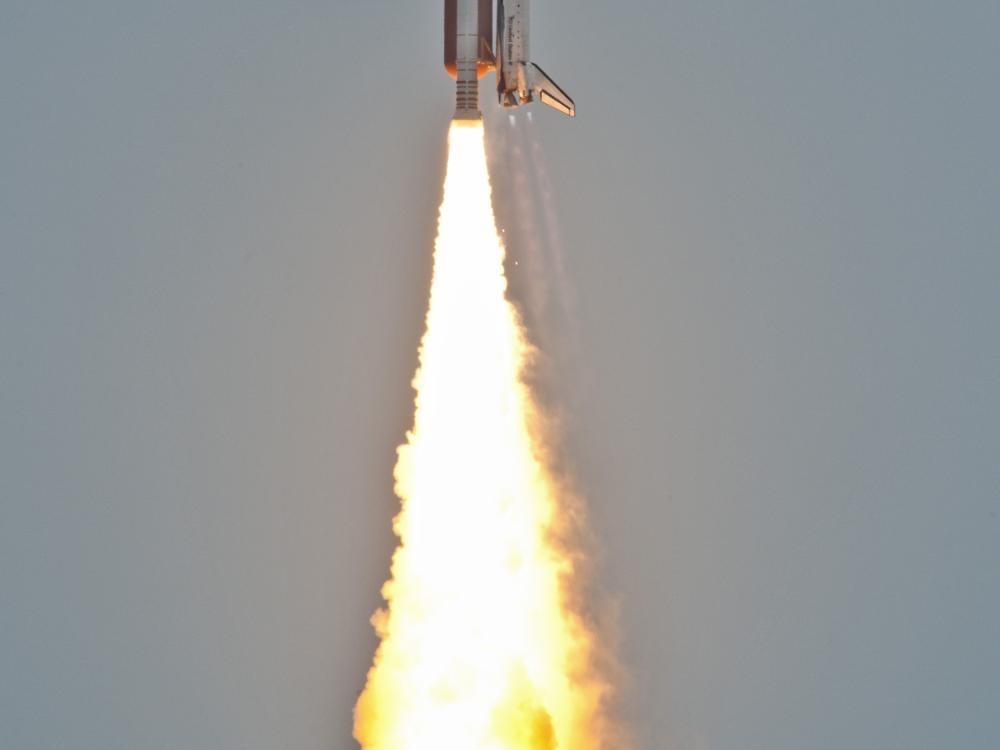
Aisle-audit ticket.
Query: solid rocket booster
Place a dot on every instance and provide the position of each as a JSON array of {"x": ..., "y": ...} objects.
[{"x": 469, "y": 55}]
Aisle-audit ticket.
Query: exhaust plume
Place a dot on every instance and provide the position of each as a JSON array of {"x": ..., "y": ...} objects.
[{"x": 481, "y": 646}]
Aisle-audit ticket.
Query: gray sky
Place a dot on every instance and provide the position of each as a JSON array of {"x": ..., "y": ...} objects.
[{"x": 778, "y": 358}]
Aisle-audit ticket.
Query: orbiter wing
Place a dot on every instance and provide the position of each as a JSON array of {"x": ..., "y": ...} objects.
[{"x": 548, "y": 92}]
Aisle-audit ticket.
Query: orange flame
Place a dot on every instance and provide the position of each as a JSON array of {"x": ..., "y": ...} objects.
[{"x": 479, "y": 648}]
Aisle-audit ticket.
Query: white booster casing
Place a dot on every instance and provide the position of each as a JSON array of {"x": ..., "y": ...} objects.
[{"x": 468, "y": 53}]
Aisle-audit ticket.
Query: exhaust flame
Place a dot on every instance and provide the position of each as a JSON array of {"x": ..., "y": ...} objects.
[{"x": 480, "y": 649}]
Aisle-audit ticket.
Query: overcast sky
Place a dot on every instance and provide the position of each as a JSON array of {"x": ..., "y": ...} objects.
[{"x": 765, "y": 262}]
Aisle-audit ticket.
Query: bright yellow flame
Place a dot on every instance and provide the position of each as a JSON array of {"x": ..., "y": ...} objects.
[{"x": 480, "y": 649}]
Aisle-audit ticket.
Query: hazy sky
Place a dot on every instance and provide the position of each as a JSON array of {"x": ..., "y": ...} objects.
[{"x": 778, "y": 357}]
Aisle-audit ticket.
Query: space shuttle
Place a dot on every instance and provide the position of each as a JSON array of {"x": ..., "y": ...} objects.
[{"x": 470, "y": 52}]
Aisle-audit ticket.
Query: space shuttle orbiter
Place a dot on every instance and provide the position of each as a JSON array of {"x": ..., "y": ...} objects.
[
  {"x": 469, "y": 54},
  {"x": 520, "y": 81}
]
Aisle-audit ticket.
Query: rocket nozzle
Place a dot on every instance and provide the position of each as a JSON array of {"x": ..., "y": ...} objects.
[{"x": 467, "y": 93}]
